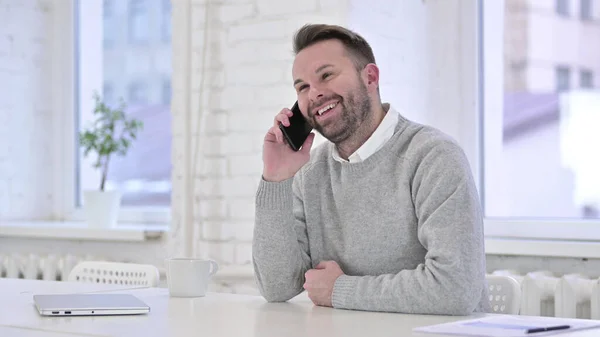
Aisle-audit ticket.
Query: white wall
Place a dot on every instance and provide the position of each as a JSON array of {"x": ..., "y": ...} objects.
[
  {"x": 26, "y": 164},
  {"x": 396, "y": 31}
]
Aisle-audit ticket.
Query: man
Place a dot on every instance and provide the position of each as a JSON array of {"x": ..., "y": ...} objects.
[{"x": 383, "y": 217}]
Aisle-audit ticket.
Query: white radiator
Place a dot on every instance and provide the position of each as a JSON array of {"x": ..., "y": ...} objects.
[
  {"x": 39, "y": 267},
  {"x": 568, "y": 296}
]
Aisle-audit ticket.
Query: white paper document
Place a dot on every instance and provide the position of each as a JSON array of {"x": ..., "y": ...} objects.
[{"x": 511, "y": 326}]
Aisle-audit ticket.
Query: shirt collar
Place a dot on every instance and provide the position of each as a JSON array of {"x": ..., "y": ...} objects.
[{"x": 380, "y": 136}]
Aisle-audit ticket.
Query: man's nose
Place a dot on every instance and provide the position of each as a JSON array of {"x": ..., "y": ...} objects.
[{"x": 315, "y": 94}]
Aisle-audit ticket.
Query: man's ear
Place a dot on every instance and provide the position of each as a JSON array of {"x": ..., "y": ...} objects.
[{"x": 371, "y": 76}]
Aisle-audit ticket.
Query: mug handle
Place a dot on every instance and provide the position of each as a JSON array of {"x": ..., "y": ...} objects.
[{"x": 214, "y": 267}]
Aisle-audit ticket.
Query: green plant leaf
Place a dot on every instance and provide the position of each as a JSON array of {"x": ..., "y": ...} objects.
[{"x": 110, "y": 133}]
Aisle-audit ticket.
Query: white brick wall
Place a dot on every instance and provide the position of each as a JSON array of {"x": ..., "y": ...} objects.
[
  {"x": 25, "y": 109},
  {"x": 396, "y": 30},
  {"x": 267, "y": 8}
]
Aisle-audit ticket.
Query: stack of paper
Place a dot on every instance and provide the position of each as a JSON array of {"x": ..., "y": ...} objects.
[{"x": 511, "y": 326}]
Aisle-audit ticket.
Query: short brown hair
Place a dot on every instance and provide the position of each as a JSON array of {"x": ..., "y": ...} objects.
[{"x": 359, "y": 49}]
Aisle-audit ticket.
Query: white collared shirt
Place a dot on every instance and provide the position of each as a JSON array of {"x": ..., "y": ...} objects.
[{"x": 382, "y": 134}]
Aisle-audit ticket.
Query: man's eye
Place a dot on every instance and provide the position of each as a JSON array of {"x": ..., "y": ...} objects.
[
  {"x": 326, "y": 75},
  {"x": 302, "y": 87}
]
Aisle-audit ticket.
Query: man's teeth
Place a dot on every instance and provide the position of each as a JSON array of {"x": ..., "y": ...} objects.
[{"x": 325, "y": 108}]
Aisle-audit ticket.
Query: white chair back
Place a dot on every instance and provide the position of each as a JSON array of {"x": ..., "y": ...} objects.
[
  {"x": 504, "y": 294},
  {"x": 143, "y": 275}
]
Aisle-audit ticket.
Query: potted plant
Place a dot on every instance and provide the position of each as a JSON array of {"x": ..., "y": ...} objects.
[{"x": 110, "y": 133}]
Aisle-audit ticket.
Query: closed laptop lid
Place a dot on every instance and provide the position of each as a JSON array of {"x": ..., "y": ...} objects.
[{"x": 74, "y": 302}]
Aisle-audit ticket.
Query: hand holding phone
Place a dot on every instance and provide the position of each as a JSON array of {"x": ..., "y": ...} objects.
[
  {"x": 298, "y": 130},
  {"x": 287, "y": 145}
]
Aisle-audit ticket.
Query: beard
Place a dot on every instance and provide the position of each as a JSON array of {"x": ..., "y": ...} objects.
[{"x": 355, "y": 109}]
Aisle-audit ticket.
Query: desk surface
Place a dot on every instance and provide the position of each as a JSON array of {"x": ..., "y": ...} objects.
[{"x": 214, "y": 315}]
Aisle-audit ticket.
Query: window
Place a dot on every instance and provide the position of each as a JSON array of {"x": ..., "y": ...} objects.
[
  {"x": 586, "y": 79},
  {"x": 539, "y": 133},
  {"x": 137, "y": 92},
  {"x": 166, "y": 20},
  {"x": 110, "y": 30},
  {"x": 108, "y": 92},
  {"x": 585, "y": 9},
  {"x": 562, "y": 7},
  {"x": 563, "y": 78},
  {"x": 126, "y": 72},
  {"x": 139, "y": 22},
  {"x": 108, "y": 9},
  {"x": 166, "y": 92}
]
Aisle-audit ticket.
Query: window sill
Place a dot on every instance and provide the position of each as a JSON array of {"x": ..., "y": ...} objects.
[
  {"x": 80, "y": 231},
  {"x": 542, "y": 248}
]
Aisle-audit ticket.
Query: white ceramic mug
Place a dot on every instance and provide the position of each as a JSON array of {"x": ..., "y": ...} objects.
[{"x": 187, "y": 277}]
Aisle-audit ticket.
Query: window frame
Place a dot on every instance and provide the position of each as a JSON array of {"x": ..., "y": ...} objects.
[
  {"x": 65, "y": 103},
  {"x": 514, "y": 236}
]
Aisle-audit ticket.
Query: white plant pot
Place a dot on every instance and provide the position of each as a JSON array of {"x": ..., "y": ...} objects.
[{"x": 101, "y": 208}]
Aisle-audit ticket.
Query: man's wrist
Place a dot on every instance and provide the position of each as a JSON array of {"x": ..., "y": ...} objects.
[
  {"x": 274, "y": 178},
  {"x": 274, "y": 195},
  {"x": 343, "y": 288}
]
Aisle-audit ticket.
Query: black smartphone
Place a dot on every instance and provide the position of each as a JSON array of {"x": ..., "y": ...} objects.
[{"x": 299, "y": 129}]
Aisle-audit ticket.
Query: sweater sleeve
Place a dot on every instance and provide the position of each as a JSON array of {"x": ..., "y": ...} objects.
[
  {"x": 451, "y": 279},
  {"x": 280, "y": 244}
]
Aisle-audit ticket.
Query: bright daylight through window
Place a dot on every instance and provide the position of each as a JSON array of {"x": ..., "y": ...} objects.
[
  {"x": 124, "y": 52},
  {"x": 542, "y": 157}
]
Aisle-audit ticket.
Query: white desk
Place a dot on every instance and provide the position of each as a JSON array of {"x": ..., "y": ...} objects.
[
  {"x": 7, "y": 331},
  {"x": 214, "y": 315}
]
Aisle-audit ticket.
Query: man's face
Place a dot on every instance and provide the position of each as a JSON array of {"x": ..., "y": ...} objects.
[{"x": 332, "y": 94}]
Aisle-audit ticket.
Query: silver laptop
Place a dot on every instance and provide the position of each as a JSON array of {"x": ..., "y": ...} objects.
[{"x": 89, "y": 304}]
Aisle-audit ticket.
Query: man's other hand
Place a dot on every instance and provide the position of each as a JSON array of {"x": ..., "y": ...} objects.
[{"x": 319, "y": 282}]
